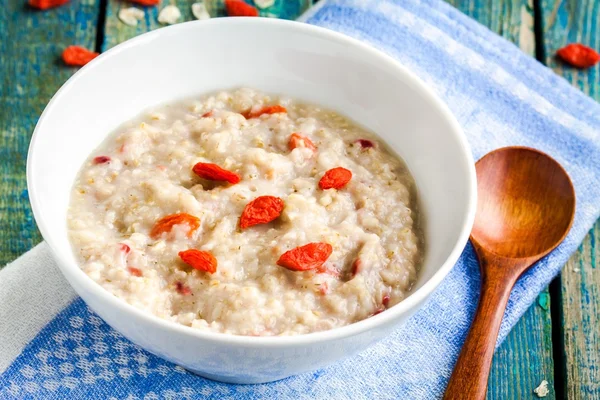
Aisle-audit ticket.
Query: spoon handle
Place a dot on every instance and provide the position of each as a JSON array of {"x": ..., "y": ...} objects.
[{"x": 470, "y": 376}]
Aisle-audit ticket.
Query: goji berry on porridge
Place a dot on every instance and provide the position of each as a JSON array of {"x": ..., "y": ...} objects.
[{"x": 247, "y": 214}]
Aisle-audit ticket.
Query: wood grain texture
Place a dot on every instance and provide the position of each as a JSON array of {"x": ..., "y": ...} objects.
[
  {"x": 117, "y": 32},
  {"x": 580, "y": 284},
  {"x": 31, "y": 43},
  {"x": 568, "y": 21},
  {"x": 525, "y": 358}
]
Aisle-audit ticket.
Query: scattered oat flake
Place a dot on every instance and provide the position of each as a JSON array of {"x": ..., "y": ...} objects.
[
  {"x": 264, "y": 3},
  {"x": 130, "y": 16},
  {"x": 199, "y": 11},
  {"x": 542, "y": 390},
  {"x": 169, "y": 15}
]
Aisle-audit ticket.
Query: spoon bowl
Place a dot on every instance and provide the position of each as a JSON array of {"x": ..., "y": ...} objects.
[
  {"x": 526, "y": 203},
  {"x": 525, "y": 208}
]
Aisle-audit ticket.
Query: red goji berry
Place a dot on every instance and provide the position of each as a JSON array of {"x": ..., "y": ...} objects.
[
  {"x": 101, "y": 159},
  {"x": 213, "y": 172},
  {"x": 135, "y": 271},
  {"x": 261, "y": 210},
  {"x": 78, "y": 56},
  {"x": 297, "y": 140},
  {"x": 45, "y": 4},
  {"x": 365, "y": 143},
  {"x": 207, "y": 114},
  {"x": 165, "y": 224},
  {"x": 265, "y": 110},
  {"x": 578, "y": 55},
  {"x": 124, "y": 248},
  {"x": 324, "y": 288},
  {"x": 146, "y": 2},
  {"x": 304, "y": 258},
  {"x": 386, "y": 300},
  {"x": 183, "y": 289},
  {"x": 335, "y": 178},
  {"x": 238, "y": 8},
  {"x": 356, "y": 267},
  {"x": 378, "y": 311},
  {"x": 200, "y": 260}
]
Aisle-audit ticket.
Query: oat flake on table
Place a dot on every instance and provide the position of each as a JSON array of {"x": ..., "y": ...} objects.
[
  {"x": 199, "y": 11},
  {"x": 130, "y": 16},
  {"x": 542, "y": 389},
  {"x": 264, "y": 3},
  {"x": 169, "y": 15}
]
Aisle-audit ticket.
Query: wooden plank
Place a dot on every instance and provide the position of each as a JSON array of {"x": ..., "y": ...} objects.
[
  {"x": 580, "y": 293},
  {"x": 567, "y": 21},
  {"x": 31, "y": 72},
  {"x": 525, "y": 357},
  {"x": 117, "y": 32}
]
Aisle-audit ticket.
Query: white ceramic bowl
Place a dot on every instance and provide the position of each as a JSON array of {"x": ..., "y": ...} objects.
[{"x": 299, "y": 60}]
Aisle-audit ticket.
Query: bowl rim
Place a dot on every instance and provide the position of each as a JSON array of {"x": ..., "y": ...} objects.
[{"x": 72, "y": 270}]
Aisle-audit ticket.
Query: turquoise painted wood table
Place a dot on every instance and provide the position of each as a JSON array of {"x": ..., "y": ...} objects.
[{"x": 557, "y": 340}]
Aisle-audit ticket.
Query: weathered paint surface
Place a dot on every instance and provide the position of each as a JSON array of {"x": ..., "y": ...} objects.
[
  {"x": 568, "y": 21},
  {"x": 31, "y": 42}
]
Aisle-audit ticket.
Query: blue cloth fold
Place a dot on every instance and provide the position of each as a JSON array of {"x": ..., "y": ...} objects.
[{"x": 501, "y": 97}]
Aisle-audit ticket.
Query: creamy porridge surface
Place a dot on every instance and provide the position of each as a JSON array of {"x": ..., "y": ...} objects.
[{"x": 147, "y": 224}]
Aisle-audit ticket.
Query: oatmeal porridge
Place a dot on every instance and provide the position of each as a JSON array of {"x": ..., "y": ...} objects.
[{"x": 247, "y": 214}]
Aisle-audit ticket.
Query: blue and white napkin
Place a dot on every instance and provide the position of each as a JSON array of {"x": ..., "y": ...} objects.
[{"x": 53, "y": 347}]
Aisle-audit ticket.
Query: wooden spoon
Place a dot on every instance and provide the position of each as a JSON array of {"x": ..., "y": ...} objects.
[{"x": 525, "y": 207}]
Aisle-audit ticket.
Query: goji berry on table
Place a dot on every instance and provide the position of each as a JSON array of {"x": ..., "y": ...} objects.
[
  {"x": 45, "y": 4},
  {"x": 239, "y": 8},
  {"x": 200, "y": 260},
  {"x": 261, "y": 210},
  {"x": 307, "y": 257},
  {"x": 165, "y": 224},
  {"x": 146, "y": 2},
  {"x": 78, "y": 56},
  {"x": 578, "y": 55},
  {"x": 265, "y": 110},
  {"x": 215, "y": 173},
  {"x": 135, "y": 271},
  {"x": 335, "y": 178},
  {"x": 101, "y": 159},
  {"x": 297, "y": 140}
]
